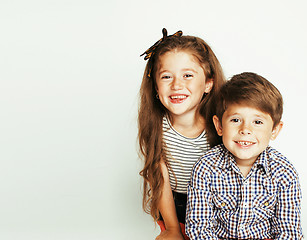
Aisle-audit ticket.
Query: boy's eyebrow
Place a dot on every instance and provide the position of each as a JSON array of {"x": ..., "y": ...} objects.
[
  {"x": 232, "y": 114},
  {"x": 260, "y": 115},
  {"x": 254, "y": 115}
]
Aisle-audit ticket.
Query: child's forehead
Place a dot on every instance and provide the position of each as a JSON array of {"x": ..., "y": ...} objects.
[
  {"x": 181, "y": 56},
  {"x": 246, "y": 109},
  {"x": 178, "y": 53}
]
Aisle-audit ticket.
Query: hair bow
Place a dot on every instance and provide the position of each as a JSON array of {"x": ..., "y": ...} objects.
[{"x": 150, "y": 51}]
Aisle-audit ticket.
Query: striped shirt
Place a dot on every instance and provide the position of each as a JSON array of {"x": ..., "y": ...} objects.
[
  {"x": 223, "y": 204},
  {"x": 181, "y": 154}
]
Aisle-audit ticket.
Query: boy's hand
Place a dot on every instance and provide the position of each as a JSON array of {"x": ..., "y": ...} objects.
[{"x": 169, "y": 234}]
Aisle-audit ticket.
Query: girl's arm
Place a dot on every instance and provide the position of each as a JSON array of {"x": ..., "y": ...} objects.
[{"x": 168, "y": 210}]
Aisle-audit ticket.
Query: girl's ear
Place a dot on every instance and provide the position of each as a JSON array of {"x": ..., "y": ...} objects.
[
  {"x": 218, "y": 125},
  {"x": 276, "y": 130},
  {"x": 209, "y": 85},
  {"x": 156, "y": 88}
]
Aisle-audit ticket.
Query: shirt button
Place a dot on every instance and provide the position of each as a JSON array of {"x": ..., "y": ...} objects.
[
  {"x": 223, "y": 204},
  {"x": 266, "y": 204}
]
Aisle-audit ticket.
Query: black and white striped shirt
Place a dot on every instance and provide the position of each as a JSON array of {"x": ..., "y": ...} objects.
[{"x": 181, "y": 154}]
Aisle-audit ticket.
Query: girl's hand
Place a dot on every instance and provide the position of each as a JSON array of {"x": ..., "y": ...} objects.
[{"x": 169, "y": 234}]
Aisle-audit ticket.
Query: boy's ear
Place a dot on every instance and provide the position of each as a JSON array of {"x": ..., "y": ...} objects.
[
  {"x": 218, "y": 125},
  {"x": 209, "y": 85},
  {"x": 276, "y": 130}
]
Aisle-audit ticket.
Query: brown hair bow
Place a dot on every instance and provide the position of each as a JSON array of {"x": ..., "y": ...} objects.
[{"x": 150, "y": 51}]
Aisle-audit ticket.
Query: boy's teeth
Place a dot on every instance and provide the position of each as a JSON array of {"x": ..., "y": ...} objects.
[{"x": 244, "y": 143}]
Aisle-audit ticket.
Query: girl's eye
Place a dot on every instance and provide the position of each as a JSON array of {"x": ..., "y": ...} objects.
[{"x": 165, "y": 77}]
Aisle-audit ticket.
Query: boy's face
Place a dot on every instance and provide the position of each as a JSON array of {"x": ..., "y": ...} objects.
[{"x": 246, "y": 131}]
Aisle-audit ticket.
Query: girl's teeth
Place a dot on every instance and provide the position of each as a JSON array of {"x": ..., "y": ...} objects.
[{"x": 175, "y": 97}]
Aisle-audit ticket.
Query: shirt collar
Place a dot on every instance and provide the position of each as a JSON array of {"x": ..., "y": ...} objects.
[
  {"x": 227, "y": 159},
  {"x": 262, "y": 161}
]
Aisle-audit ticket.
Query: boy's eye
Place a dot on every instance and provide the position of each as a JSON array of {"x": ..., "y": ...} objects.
[
  {"x": 235, "y": 120},
  {"x": 258, "y": 122},
  {"x": 188, "y": 75}
]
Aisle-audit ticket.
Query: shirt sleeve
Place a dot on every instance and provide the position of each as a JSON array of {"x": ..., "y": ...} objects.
[
  {"x": 200, "y": 217},
  {"x": 287, "y": 220}
]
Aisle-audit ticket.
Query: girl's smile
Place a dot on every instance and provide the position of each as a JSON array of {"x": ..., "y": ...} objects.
[
  {"x": 181, "y": 82},
  {"x": 178, "y": 98}
]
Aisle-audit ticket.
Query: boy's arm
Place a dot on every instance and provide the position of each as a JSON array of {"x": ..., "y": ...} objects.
[
  {"x": 287, "y": 221},
  {"x": 200, "y": 217},
  {"x": 168, "y": 210}
]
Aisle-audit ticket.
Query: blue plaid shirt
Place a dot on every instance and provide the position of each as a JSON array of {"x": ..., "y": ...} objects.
[{"x": 223, "y": 204}]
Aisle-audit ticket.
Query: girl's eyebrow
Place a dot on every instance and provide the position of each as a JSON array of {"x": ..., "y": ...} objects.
[
  {"x": 163, "y": 71},
  {"x": 183, "y": 70},
  {"x": 189, "y": 69}
]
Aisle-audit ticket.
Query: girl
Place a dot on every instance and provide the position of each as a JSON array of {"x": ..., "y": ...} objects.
[{"x": 180, "y": 80}]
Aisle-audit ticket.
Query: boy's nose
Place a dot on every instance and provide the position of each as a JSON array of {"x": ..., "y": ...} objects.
[{"x": 245, "y": 130}]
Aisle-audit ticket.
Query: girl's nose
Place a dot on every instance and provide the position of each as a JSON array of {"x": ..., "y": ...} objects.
[{"x": 176, "y": 84}]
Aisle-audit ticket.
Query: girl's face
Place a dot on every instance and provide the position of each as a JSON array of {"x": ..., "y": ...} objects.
[{"x": 181, "y": 82}]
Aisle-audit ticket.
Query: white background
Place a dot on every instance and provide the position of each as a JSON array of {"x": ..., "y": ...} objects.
[{"x": 70, "y": 72}]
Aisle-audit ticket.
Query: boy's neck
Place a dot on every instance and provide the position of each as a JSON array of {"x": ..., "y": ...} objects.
[
  {"x": 189, "y": 125},
  {"x": 245, "y": 165}
]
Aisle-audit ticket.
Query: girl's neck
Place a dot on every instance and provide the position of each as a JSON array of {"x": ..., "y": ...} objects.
[{"x": 189, "y": 125}]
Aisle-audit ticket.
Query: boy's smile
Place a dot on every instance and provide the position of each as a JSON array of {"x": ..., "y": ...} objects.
[{"x": 246, "y": 132}]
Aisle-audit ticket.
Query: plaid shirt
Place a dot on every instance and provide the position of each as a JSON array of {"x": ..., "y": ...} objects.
[{"x": 223, "y": 204}]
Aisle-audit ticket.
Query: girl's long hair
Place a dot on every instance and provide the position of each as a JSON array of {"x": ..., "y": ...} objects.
[{"x": 151, "y": 113}]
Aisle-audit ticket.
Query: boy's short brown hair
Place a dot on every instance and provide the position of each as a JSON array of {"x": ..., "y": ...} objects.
[{"x": 253, "y": 90}]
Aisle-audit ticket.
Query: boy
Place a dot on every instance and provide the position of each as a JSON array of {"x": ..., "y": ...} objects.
[{"x": 244, "y": 189}]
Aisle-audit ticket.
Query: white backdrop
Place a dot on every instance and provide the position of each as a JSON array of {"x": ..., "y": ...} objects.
[{"x": 70, "y": 72}]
